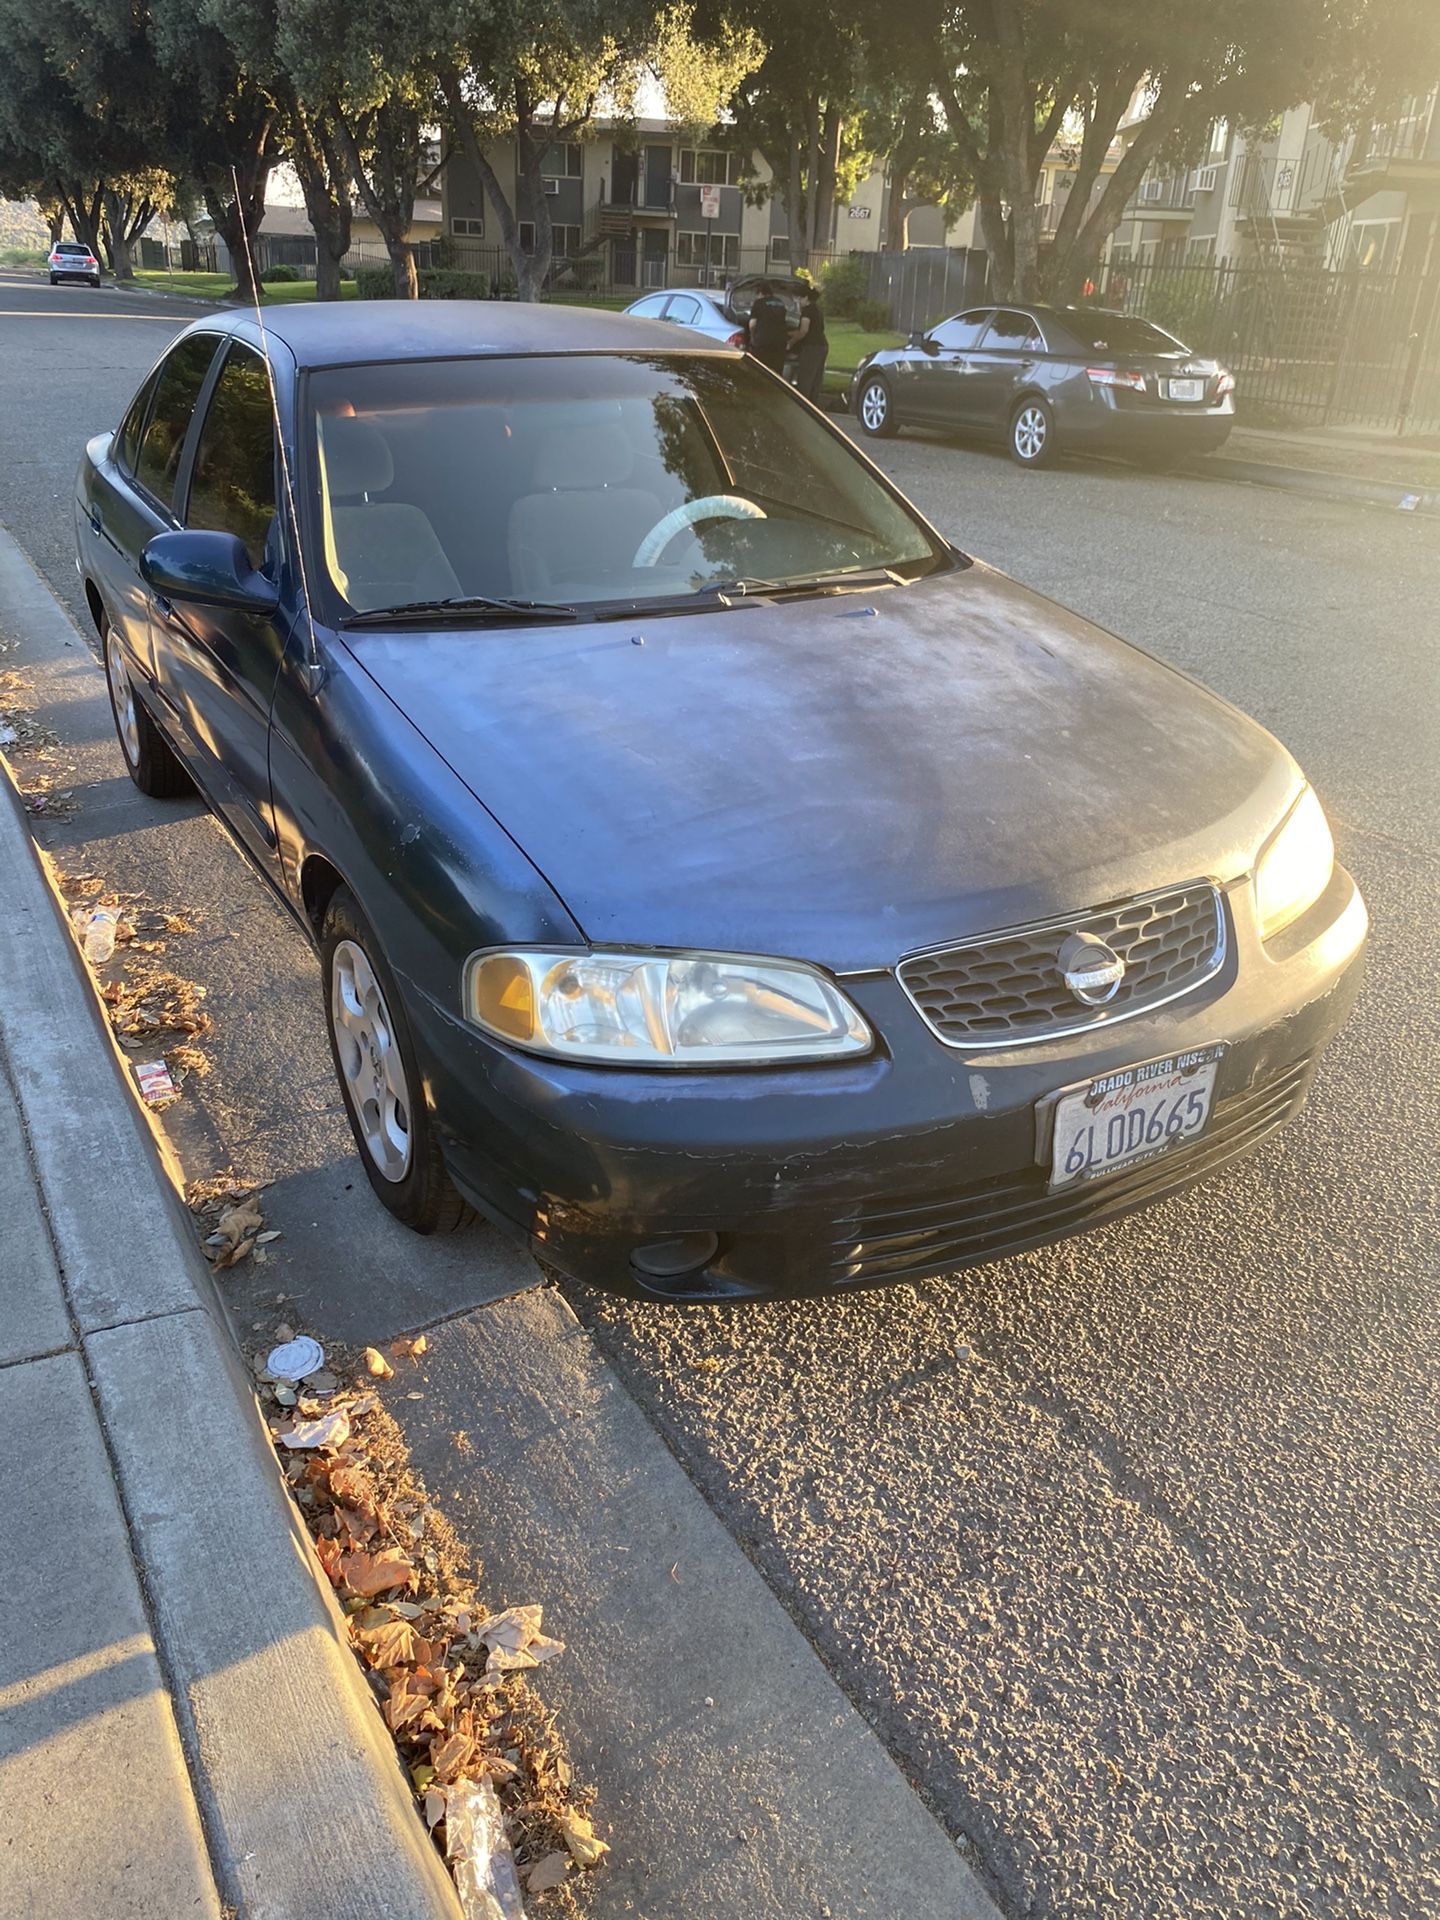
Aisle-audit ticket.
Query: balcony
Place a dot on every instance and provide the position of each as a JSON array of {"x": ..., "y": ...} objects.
[{"x": 1399, "y": 153}]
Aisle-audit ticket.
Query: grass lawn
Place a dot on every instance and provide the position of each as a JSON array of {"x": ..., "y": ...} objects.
[
  {"x": 214, "y": 286},
  {"x": 849, "y": 344}
]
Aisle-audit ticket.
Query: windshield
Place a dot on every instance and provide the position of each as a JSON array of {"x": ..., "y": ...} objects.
[
  {"x": 588, "y": 479},
  {"x": 1118, "y": 333}
]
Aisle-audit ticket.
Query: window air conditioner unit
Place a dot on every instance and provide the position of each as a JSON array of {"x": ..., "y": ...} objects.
[
  {"x": 1207, "y": 179},
  {"x": 552, "y": 183},
  {"x": 1152, "y": 189}
]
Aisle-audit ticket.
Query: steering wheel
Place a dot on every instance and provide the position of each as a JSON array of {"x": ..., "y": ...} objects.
[{"x": 713, "y": 506}]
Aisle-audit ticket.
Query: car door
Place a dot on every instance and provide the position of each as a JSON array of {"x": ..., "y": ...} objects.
[
  {"x": 126, "y": 495},
  {"x": 941, "y": 384},
  {"x": 683, "y": 310},
  {"x": 1001, "y": 364},
  {"x": 218, "y": 666}
]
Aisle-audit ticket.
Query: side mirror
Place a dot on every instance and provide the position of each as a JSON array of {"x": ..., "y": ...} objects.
[
  {"x": 917, "y": 338},
  {"x": 210, "y": 569}
]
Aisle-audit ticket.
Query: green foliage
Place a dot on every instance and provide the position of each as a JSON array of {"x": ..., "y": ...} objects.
[
  {"x": 22, "y": 257},
  {"x": 846, "y": 283},
  {"x": 436, "y": 283},
  {"x": 872, "y": 315},
  {"x": 280, "y": 271}
]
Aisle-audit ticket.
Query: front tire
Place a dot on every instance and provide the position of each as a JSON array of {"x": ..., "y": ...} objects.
[
  {"x": 876, "y": 410},
  {"x": 150, "y": 760},
  {"x": 380, "y": 1082},
  {"x": 1032, "y": 433}
]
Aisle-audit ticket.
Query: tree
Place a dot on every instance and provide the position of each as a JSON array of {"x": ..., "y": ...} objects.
[
  {"x": 801, "y": 111},
  {"x": 129, "y": 205},
  {"x": 314, "y": 148},
  {"x": 1013, "y": 75},
  {"x": 365, "y": 71},
  {"x": 534, "y": 76}
]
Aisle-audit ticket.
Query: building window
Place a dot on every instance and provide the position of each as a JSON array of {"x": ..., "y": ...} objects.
[
  {"x": 707, "y": 249},
  {"x": 780, "y": 249},
  {"x": 562, "y": 161},
  {"x": 565, "y": 242},
  {"x": 709, "y": 167},
  {"x": 471, "y": 229}
]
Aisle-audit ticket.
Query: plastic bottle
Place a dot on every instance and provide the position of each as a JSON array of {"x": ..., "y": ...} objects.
[{"x": 100, "y": 935}]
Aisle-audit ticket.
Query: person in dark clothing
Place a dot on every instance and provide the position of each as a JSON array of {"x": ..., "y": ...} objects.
[
  {"x": 769, "y": 328},
  {"x": 813, "y": 348}
]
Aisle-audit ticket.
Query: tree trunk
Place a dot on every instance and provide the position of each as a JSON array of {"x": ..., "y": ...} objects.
[
  {"x": 117, "y": 234},
  {"x": 325, "y": 183},
  {"x": 85, "y": 215},
  {"x": 797, "y": 218},
  {"x": 822, "y": 189},
  {"x": 388, "y": 185},
  {"x": 530, "y": 268},
  {"x": 52, "y": 212}
]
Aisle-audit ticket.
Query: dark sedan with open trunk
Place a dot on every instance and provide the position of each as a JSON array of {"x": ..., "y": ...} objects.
[
  {"x": 715, "y": 874},
  {"x": 1051, "y": 380}
]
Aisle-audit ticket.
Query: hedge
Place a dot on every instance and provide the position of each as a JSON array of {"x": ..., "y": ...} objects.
[{"x": 436, "y": 283}]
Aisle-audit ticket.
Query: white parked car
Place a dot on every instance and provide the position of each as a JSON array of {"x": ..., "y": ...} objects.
[
  {"x": 71, "y": 261},
  {"x": 690, "y": 307}
]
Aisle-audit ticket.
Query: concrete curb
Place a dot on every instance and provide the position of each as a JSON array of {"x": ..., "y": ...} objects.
[
  {"x": 1320, "y": 485},
  {"x": 299, "y": 1789}
]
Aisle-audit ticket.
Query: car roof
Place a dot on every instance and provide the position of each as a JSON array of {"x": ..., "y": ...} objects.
[{"x": 350, "y": 332}]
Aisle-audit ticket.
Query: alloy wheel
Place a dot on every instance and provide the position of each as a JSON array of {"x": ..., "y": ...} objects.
[
  {"x": 123, "y": 694},
  {"x": 1031, "y": 431},
  {"x": 874, "y": 407},
  {"x": 370, "y": 1061}
]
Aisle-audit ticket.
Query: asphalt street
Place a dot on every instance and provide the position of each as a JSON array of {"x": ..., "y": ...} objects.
[{"x": 1126, "y": 1548}]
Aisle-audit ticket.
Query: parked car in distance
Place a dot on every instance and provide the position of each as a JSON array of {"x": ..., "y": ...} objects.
[
  {"x": 1051, "y": 380},
  {"x": 71, "y": 261},
  {"x": 690, "y": 307},
  {"x": 723, "y": 317},
  {"x": 716, "y": 875}
]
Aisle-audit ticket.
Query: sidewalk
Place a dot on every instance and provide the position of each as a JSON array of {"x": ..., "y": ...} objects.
[
  {"x": 1336, "y": 463},
  {"x": 182, "y": 1729}
]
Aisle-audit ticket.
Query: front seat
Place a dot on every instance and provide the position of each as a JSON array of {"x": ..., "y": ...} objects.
[
  {"x": 381, "y": 552},
  {"x": 582, "y": 524}
]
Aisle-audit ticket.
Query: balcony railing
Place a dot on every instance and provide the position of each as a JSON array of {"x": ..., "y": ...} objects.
[{"x": 1407, "y": 137}]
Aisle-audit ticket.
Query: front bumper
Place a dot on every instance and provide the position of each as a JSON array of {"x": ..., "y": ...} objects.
[{"x": 914, "y": 1161}]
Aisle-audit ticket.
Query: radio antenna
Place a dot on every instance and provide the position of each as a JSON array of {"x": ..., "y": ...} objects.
[{"x": 313, "y": 673}]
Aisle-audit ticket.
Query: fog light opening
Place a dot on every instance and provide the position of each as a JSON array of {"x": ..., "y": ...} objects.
[{"x": 681, "y": 1254}]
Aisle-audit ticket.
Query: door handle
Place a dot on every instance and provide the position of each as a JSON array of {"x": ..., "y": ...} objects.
[{"x": 93, "y": 515}]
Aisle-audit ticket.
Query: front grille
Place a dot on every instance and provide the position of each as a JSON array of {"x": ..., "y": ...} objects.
[
  {"x": 1013, "y": 1211},
  {"x": 1007, "y": 988}
]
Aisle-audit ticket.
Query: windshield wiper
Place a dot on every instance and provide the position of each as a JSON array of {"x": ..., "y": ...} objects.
[
  {"x": 461, "y": 606},
  {"x": 749, "y": 586}
]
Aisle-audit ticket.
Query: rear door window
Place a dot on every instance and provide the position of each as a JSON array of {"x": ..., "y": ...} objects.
[
  {"x": 1016, "y": 331},
  {"x": 176, "y": 391},
  {"x": 232, "y": 487},
  {"x": 961, "y": 332},
  {"x": 683, "y": 310}
]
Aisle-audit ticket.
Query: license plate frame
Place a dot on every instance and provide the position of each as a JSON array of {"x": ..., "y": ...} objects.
[
  {"x": 1189, "y": 389},
  {"x": 1155, "y": 1090}
]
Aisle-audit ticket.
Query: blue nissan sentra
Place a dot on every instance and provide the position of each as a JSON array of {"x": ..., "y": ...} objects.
[{"x": 715, "y": 874}]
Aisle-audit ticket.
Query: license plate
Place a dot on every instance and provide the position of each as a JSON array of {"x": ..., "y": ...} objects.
[
  {"x": 1186, "y": 389},
  {"x": 1133, "y": 1114}
]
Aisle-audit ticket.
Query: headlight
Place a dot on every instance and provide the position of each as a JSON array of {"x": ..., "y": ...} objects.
[
  {"x": 1295, "y": 869},
  {"x": 662, "y": 1010}
]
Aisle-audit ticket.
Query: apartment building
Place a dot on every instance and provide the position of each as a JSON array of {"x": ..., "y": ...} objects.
[
  {"x": 1369, "y": 200},
  {"x": 650, "y": 209}
]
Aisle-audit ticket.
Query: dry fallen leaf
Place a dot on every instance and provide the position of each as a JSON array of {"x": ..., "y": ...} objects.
[
  {"x": 580, "y": 1838},
  {"x": 377, "y": 1364},
  {"x": 396, "y": 1644},
  {"x": 549, "y": 1874},
  {"x": 369, "y": 1573}
]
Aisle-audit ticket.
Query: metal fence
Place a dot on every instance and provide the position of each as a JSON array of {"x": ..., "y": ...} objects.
[{"x": 1308, "y": 346}]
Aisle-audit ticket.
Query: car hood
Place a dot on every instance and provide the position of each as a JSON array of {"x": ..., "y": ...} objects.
[{"x": 841, "y": 779}]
